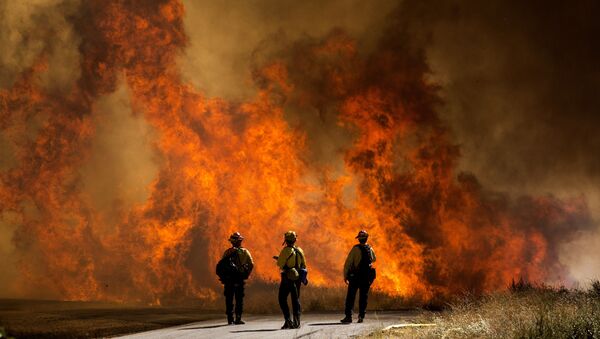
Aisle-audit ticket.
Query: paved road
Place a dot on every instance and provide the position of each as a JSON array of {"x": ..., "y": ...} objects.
[{"x": 268, "y": 326}]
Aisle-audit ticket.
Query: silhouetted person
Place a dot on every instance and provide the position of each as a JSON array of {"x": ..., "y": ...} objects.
[
  {"x": 359, "y": 276},
  {"x": 235, "y": 267},
  {"x": 291, "y": 261}
]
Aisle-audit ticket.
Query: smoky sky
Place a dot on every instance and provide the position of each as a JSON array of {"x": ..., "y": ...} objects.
[
  {"x": 519, "y": 82},
  {"x": 519, "y": 79}
]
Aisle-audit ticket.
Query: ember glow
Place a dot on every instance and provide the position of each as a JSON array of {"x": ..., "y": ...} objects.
[{"x": 224, "y": 166}]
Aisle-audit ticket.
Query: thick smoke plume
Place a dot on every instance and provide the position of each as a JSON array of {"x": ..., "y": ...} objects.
[{"x": 123, "y": 178}]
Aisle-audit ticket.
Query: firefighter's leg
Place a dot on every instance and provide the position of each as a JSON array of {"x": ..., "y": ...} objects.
[
  {"x": 298, "y": 285},
  {"x": 284, "y": 291},
  {"x": 239, "y": 302},
  {"x": 295, "y": 292},
  {"x": 350, "y": 296},
  {"x": 363, "y": 298},
  {"x": 228, "y": 292}
]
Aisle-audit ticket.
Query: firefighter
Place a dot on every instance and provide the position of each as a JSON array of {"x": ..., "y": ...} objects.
[
  {"x": 358, "y": 275},
  {"x": 292, "y": 263},
  {"x": 239, "y": 263}
]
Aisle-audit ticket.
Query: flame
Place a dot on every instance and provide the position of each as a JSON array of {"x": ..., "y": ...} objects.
[{"x": 226, "y": 167}]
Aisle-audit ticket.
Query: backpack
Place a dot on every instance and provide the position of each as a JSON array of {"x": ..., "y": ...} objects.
[
  {"x": 229, "y": 269},
  {"x": 364, "y": 269},
  {"x": 296, "y": 273},
  {"x": 302, "y": 272}
]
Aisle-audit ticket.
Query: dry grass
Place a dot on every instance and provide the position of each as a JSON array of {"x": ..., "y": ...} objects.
[
  {"x": 525, "y": 311},
  {"x": 261, "y": 298},
  {"x": 55, "y": 319}
]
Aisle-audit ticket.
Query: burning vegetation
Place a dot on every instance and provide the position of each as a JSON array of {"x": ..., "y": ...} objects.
[{"x": 225, "y": 166}]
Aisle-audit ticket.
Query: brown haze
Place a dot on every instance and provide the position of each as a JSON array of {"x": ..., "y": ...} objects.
[{"x": 137, "y": 136}]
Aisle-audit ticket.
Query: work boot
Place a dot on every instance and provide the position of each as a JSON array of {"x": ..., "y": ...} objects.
[
  {"x": 238, "y": 320},
  {"x": 229, "y": 319},
  {"x": 360, "y": 319},
  {"x": 287, "y": 324},
  {"x": 296, "y": 322},
  {"x": 346, "y": 320}
]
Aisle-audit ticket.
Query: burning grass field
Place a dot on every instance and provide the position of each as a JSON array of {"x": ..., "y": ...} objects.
[
  {"x": 85, "y": 220},
  {"x": 124, "y": 182},
  {"x": 524, "y": 311}
]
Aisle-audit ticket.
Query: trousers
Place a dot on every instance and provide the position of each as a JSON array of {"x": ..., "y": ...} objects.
[
  {"x": 361, "y": 285},
  {"x": 231, "y": 291},
  {"x": 289, "y": 287}
]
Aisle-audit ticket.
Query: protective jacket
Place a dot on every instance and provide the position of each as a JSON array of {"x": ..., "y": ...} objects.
[
  {"x": 288, "y": 256},
  {"x": 244, "y": 257},
  {"x": 353, "y": 259}
]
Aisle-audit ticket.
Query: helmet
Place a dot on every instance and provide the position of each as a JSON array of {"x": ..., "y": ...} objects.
[
  {"x": 235, "y": 237},
  {"x": 362, "y": 235},
  {"x": 290, "y": 236}
]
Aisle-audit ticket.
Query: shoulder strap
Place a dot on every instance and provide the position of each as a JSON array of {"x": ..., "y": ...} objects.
[
  {"x": 302, "y": 255},
  {"x": 288, "y": 258},
  {"x": 296, "y": 258}
]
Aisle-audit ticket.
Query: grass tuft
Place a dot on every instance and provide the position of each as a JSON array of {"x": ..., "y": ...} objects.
[{"x": 595, "y": 289}]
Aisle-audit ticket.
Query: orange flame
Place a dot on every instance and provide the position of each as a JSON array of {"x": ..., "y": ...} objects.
[{"x": 228, "y": 167}]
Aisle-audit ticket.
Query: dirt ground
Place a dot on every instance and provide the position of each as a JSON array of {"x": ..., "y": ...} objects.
[{"x": 60, "y": 319}]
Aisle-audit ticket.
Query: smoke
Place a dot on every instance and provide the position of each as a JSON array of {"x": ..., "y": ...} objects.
[
  {"x": 407, "y": 160},
  {"x": 228, "y": 40},
  {"x": 518, "y": 80},
  {"x": 137, "y": 137},
  {"x": 31, "y": 29},
  {"x": 224, "y": 35},
  {"x": 122, "y": 164},
  {"x": 8, "y": 264},
  {"x": 29, "y": 32}
]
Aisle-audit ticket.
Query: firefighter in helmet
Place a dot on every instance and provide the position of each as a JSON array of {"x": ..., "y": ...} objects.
[
  {"x": 359, "y": 275},
  {"x": 292, "y": 263},
  {"x": 236, "y": 266}
]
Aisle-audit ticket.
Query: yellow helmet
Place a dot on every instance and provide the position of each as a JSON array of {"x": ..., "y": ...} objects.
[{"x": 290, "y": 236}]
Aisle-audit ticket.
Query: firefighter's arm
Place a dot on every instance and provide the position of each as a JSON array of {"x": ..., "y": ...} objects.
[
  {"x": 250, "y": 261},
  {"x": 303, "y": 257},
  {"x": 373, "y": 255},
  {"x": 349, "y": 262}
]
